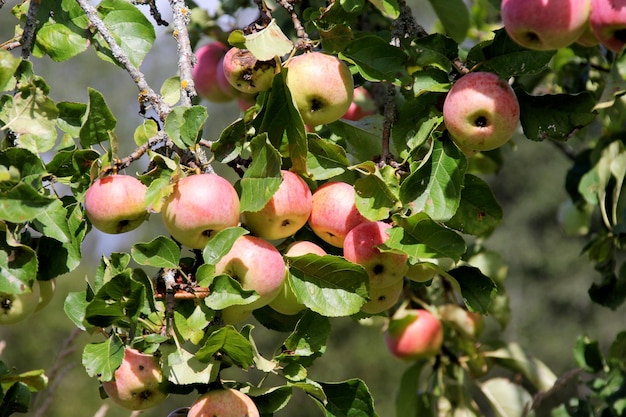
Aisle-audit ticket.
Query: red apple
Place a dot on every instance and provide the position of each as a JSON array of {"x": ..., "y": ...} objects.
[
  {"x": 321, "y": 87},
  {"x": 116, "y": 204},
  {"x": 200, "y": 206},
  {"x": 208, "y": 70},
  {"x": 227, "y": 402},
  {"x": 333, "y": 212},
  {"x": 246, "y": 73},
  {"x": 481, "y": 111},
  {"x": 285, "y": 213},
  {"x": 257, "y": 265},
  {"x": 17, "y": 307},
  {"x": 545, "y": 24},
  {"x": 362, "y": 105},
  {"x": 608, "y": 23},
  {"x": 416, "y": 335},
  {"x": 361, "y": 247},
  {"x": 382, "y": 299},
  {"x": 138, "y": 382}
]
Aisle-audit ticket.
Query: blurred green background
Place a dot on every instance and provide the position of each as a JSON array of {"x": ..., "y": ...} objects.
[{"x": 547, "y": 279}]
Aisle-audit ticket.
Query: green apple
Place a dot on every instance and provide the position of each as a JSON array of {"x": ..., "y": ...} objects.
[
  {"x": 15, "y": 308},
  {"x": 116, "y": 204},
  {"x": 361, "y": 247},
  {"x": 138, "y": 383},
  {"x": 224, "y": 402},
  {"x": 285, "y": 213},
  {"x": 334, "y": 213},
  {"x": 200, "y": 206},
  {"x": 414, "y": 335},
  {"x": 321, "y": 87},
  {"x": 481, "y": 111},
  {"x": 246, "y": 73},
  {"x": 382, "y": 299}
]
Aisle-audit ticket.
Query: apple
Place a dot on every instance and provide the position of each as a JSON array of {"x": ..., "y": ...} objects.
[
  {"x": 334, "y": 213},
  {"x": 257, "y": 265},
  {"x": 414, "y": 335},
  {"x": 116, "y": 204},
  {"x": 361, "y": 247},
  {"x": 286, "y": 301},
  {"x": 17, "y": 307},
  {"x": 321, "y": 87},
  {"x": 200, "y": 206},
  {"x": 608, "y": 23},
  {"x": 285, "y": 213},
  {"x": 246, "y": 73},
  {"x": 545, "y": 24},
  {"x": 425, "y": 269},
  {"x": 362, "y": 105},
  {"x": 138, "y": 382},
  {"x": 46, "y": 292},
  {"x": 224, "y": 402},
  {"x": 467, "y": 323},
  {"x": 588, "y": 38},
  {"x": 481, "y": 111},
  {"x": 382, "y": 299},
  {"x": 208, "y": 71}
]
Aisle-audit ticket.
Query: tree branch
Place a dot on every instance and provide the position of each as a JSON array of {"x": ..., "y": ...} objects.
[
  {"x": 186, "y": 56},
  {"x": 29, "y": 28}
]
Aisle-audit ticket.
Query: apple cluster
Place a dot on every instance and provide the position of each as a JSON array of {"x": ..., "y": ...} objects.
[{"x": 549, "y": 25}]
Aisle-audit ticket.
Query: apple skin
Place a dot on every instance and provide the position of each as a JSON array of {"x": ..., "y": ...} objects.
[
  {"x": 246, "y": 73},
  {"x": 321, "y": 87},
  {"x": 285, "y": 213},
  {"x": 46, "y": 292},
  {"x": 362, "y": 105},
  {"x": 415, "y": 336},
  {"x": 545, "y": 24},
  {"x": 257, "y": 265},
  {"x": 608, "y": 22},
  {"x": 137, "y": 383},
  {"x": 15, "y": 308},
  {"x": 481, "y": 111},
  {"x": 227, "y": 402},
  {"x": 200, "y": 206},
  {"x": 382, "y": 299},
  {"x": 286, "y": 301},
  {"x": 334, "y": 213},
  {"x": 116, "y": 204},
  {"x": 208, "y": 71},
  {"x": 360, "y": 247}
]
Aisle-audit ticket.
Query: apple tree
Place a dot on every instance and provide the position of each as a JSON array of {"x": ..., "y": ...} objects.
[{"x": 355, "y": 182}]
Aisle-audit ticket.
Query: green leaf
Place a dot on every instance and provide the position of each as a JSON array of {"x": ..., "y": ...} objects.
[
  {"x": 479, "y": 213},
  {"x": 433, "y": 51},
  {"x": 362, "y": 136},
  {"x": 228, "y": 341},
  {"x": 221, "y": 243},
  {"x": 310, "y": 335},
  {"x": 184, "y": 368},
  {"x": 388, "y": 8},
  {"x": 377, "y": 194},
  {"x": 328, "y": 285},
  {"x": 184, "y": 125},
  {"x": 101, "y": 359},
  {"x": 15, "y": 400},
  {"x": 406, "y": 398},
  {"x": 268, "y": 42},
  {"x": 273, "y": 399},
  {"x": 262, "y": 178},
  {"x": 507, "y": 399},
  {"x": 99, "y": 121},
  {"x": 478, "y": 290},
  {"x": 18, "y": 268},
  {"x": 554, "y": 116},
  {"x": 8, "y": 66},
  {"x": 74, "y": 306},
  {"x": 588, "y": 355},
  {"x": 71, "y": 117},
  {"x": 131, "y": 29},
  {"x": 349, "y": 398},
  {"x": 376, "y": 60},
  {"x": 454, "y": 17},
  {"x": 118, "y": 301},
  {"x": 35, "y": 380},
  {"x": 225, "y": 292},
  {"x": 23, "y": 203},
  {"x": 420, "y": 237},
  {"x": 325, "y": 158},
  {"x": 435, "y": 187},
  {"x": 60, "y": 42},
  {"x": 170, "y": 90},
  {"x": 160, "y": 252}
]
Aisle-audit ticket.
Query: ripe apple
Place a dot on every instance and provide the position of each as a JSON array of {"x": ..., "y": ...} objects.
[
  {"x": 545, "y": 24},
  {"x": 361, "y": 247},
  {"x": 285, "y": 213},
  {"x": 46, "y": 292},
  {"x": 257, "y": 265},
  {"x": 286, "y": 301},
  {"x": 382, "y": 299},
  {"x": 246, "y": 73},
  {"x": 608, "y": 22},
  {"x": 138, "y": 382},
  {"x": 321, "y": 87},
  {"x": 116, "y": 204},
  {"x": 226, "y": 402},
  {"x": 208, "y": 70},
  {"x": 415, "y": 335},
  {"x": 481, "y": 111},
  {"x": 333, "y": 212},
  {"x": 362, "y": 105},
  {"x": 17, "y": 307},
  {"x": 200, "y": 206}
]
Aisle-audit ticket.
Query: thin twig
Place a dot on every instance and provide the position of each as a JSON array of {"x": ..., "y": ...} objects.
[
  {"x": 102, "y": 411},
  {"x": 29, "y": 28},
  {"x": 186, "y": 56},
  {"x": 161, "y": 107},
  {"x": 154, "y": 11},
  {"x": 304, "y": 41}
]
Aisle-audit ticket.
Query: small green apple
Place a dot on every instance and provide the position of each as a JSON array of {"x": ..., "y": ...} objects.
[
  {"x": 15, "y": 308},
  {"x": 382, "y": 299}
]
